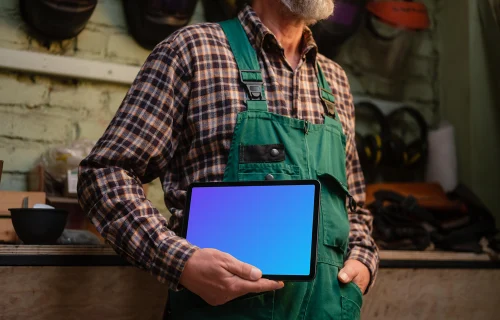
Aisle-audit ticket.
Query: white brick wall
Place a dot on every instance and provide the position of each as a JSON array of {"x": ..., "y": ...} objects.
[
  {"x": 37, "y": 112},
  {"x": 16, "y": 89}
]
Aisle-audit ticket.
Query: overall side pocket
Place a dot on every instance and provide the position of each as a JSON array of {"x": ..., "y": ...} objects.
[
  {"x": 334, "y": 218},
  {"x": 352, "y": 301}
]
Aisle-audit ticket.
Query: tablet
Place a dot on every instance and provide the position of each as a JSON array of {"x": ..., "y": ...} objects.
[{"x": 271, "y": 225}]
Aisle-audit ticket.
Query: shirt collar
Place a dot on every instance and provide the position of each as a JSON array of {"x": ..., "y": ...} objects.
[{"x": 263, "y": 38}]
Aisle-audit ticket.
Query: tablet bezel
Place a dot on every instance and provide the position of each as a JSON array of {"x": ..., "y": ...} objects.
[{"x": 314, "y": 235}]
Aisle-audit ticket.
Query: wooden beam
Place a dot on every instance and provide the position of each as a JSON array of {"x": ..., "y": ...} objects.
[{"x": 49, "y": 64}]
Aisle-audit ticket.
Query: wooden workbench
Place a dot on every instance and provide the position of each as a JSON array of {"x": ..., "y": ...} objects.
[
  {"x": 75, "y": 282},
  {"x": 92, "y": 282},
  {"x": 415, "y": 285}
]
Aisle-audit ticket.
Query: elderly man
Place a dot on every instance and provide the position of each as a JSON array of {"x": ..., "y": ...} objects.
[{"x": 184, "y": 119}]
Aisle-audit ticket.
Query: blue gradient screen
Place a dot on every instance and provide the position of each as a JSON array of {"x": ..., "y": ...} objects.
[{"x": 269, "y": 227}]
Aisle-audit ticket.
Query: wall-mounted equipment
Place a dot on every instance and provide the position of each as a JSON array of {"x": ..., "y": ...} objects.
[
  {"x": 57, "y": 19},
  {"x": 393, "y": 146},
  {"x": 371, "y": 136},
  {"x": 406, "y": 148},
  {"x": 382, "y": 47},
  {"x": 151, "y": 21},
  {"x": 331, "y": 33},
  {"x": 220, "y": 10}
]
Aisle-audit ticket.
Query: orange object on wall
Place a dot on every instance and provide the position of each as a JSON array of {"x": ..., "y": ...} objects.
[{"x": 409, "y": 15}]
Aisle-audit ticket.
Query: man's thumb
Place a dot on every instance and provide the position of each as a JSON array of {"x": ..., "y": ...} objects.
[{"x": 346, "y": 274}]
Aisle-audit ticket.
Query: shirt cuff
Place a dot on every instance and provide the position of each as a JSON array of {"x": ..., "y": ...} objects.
[
  {"x": 370, "y": 259},
  {"x": 169, "y": 262}
]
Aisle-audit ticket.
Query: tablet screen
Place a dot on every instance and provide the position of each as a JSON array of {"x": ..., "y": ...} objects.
[{"x": 272, "y": 227}]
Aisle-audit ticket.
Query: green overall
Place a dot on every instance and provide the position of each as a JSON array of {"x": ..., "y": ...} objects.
[{"x": 312, "y": 151}]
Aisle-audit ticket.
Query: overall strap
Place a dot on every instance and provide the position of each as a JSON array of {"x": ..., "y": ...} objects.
[
  {"x": 328, "y": 97},
  {"x": 248, "y": 64}
]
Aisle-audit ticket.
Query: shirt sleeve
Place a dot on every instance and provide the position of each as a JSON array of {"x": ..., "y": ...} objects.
[
  {"x": 362, "y": 247},
  {"x": 135, "y": 149}
]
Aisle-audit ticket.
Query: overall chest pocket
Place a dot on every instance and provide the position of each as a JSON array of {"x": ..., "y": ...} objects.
[{"x": 265, "y": 162}]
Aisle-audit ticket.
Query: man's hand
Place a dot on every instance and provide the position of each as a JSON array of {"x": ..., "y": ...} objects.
[
  {"x": 218, "y": 277},
  {"x": 356, "y": 272}
]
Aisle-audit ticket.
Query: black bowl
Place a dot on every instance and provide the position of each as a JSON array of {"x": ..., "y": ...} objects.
[{"x": 38, "y": 226}]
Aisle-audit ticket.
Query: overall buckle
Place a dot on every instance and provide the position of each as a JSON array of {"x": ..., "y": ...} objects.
[
  {"x": 253, "y": 82},
  {"x": 330, "y": 104}
]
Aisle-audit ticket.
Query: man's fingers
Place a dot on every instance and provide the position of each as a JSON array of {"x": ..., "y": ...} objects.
[
  {"x": 262, "y": 285},
  {"x": 347, "y": 273},
  {"x": 243, "y": 270},
  {"x": 251, "y": 278}
]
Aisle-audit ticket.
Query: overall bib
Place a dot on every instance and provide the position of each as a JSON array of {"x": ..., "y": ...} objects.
[{"x": 268, "y": 146}]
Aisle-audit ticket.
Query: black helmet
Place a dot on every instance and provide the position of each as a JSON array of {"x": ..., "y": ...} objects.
[
  {"x": 151, "y": 21},
  {"x": 58, "y": 19},
  {"x": 220, "y": 10},
  {"x": 331, "y": 33}
]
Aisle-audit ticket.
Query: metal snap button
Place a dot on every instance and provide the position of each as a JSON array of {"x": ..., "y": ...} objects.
[
  {"x": 275, "y": 152},
  {"x": 269, "y": 177}
]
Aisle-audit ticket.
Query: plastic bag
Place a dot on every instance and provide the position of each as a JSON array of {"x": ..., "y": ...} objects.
[{"x": 58, "y": 160}]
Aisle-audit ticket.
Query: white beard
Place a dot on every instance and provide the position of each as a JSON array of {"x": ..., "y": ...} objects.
[{"x": 310, "y": 10}]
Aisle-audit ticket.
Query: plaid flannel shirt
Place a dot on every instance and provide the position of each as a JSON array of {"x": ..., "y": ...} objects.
[{"x": 176, "y": 123}]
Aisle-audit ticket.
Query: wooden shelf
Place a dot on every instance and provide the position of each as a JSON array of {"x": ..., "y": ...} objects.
[
  {"x": 63, "y": 250},
  {"x": 395, "y": 255},
  {"x": 52, "y": 199},
  {"x": 107, "y": 250},
  {"x": 14, "y": 199}
]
